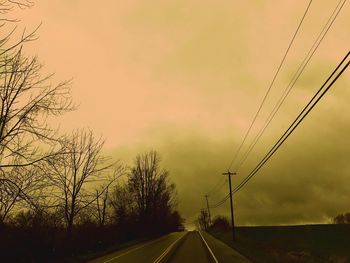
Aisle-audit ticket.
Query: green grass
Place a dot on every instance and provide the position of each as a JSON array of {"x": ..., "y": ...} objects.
[{"x": 308, "y": 243}]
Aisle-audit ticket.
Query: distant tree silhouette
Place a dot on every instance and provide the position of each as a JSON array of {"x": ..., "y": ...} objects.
[
  {"x": 123, "y": 206},
  {"x": 153, "y": 193},
  {"x": 148, "y": 184},
  {"x": 203, "y": 219},
  {"x": 342, "y": 219},
  {"x": 221, "y": 222}
]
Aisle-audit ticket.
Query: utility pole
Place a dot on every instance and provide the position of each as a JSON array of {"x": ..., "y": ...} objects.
[
  {"x": 232, "y": 216},
  {"x": 206, "y": 197}
]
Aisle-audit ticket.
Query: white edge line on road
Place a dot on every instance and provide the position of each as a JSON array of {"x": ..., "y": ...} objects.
[
  {"x": 166, "y": 251},
  {"x": 211, "y": 252},
  {"x": 131, "y": 250}
]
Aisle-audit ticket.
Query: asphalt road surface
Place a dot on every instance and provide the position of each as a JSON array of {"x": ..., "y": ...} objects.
[
  {"x": 177, "y": 247},
  {"x": 147, "y": 252},
  {"x": 192, "y": 249}
]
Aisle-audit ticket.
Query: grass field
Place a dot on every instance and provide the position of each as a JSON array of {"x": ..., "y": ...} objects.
[{"x": 307, "y": 243}]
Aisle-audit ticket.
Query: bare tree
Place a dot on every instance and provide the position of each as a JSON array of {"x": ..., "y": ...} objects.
[
  {"x": 73, "y": 172},
  {"x": 8, "y": 42},
  {"x": 102, "y": 193},
  {"x": 123, "y": 205},
  {"x": 154, "y": 195},
  {"x": 21, "y": 190},
  {"x": 8, "y": 5},
  {"x": 10, "y": 192},
  {"x": 26, "y": 101},
  {"x": 101, "y": 204},
  {"x": 203, "y": 219}
]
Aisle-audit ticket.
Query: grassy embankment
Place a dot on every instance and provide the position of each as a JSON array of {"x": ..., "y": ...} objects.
[{"x": 307, "y": 243}]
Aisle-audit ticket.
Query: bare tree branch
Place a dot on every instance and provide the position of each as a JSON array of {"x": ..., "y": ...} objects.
[{"x": 72, "y": 173}]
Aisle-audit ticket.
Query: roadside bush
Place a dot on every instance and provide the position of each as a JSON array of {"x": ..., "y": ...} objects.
[
  {"x": 342, "y": 219},
  {"x": 221, "y": 222}
]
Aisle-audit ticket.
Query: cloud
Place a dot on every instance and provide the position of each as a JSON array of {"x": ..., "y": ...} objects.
[
  {"x": 304, "y": 182},
  {"x": 186, "y": 77}
]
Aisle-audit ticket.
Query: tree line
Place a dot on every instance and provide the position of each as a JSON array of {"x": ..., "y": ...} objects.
[
  {"x": 59, "y": 194},
  {"x": 220, "y": 222},
  {"x": 204, "y": 222}
]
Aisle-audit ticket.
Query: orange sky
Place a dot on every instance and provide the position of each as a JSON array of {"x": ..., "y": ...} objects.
[{"x": 186, "y": 77}]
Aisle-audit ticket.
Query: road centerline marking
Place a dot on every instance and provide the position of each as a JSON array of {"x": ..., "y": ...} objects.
[
  {"x": 131, "y": 250},
  {"x": 166, "y": 251}
]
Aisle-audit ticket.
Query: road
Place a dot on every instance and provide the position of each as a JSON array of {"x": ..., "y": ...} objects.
[
  {"x": 191, "y": 249},
  {"x": 147, "y": 252},
  {"x": 179, "y": 247}
]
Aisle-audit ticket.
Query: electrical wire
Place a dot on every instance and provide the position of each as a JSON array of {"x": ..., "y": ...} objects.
[
  {"x": 217, "y": 186},
  {"x": 307, "y": 109},
  {"x": 295, "y": 77},
  {"x": 221, "y": 202},
  {"x": 270, "y": 86}
]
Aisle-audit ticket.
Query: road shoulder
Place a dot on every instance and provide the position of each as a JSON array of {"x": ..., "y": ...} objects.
[{"x": 223, "y": 252}]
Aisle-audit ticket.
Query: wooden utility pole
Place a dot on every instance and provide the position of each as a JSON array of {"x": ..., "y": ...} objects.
[
  {"x": 206, "y": 197},
  {"x": 231, "y": 204}
]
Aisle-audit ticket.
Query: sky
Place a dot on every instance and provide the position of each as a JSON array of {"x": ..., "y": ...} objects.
[{"x": 185, "y": 78}]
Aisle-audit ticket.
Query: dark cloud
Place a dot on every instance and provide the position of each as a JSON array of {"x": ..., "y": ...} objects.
[{"x": 306, "y": 181}]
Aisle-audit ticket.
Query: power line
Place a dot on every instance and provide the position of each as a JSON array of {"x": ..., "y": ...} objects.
[
  {"x": 306, "y": 110},
  {"x": 217, "y": 186},
  {"x": 312, "y": 103},
  {"x": 270, "y": 86},
  {"x": 295, "y": 77},
  {"x": 221, "y": 202}
]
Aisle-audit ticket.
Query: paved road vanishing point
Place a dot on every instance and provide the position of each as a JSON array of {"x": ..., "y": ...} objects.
[{"x": 180, "y": 247}]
